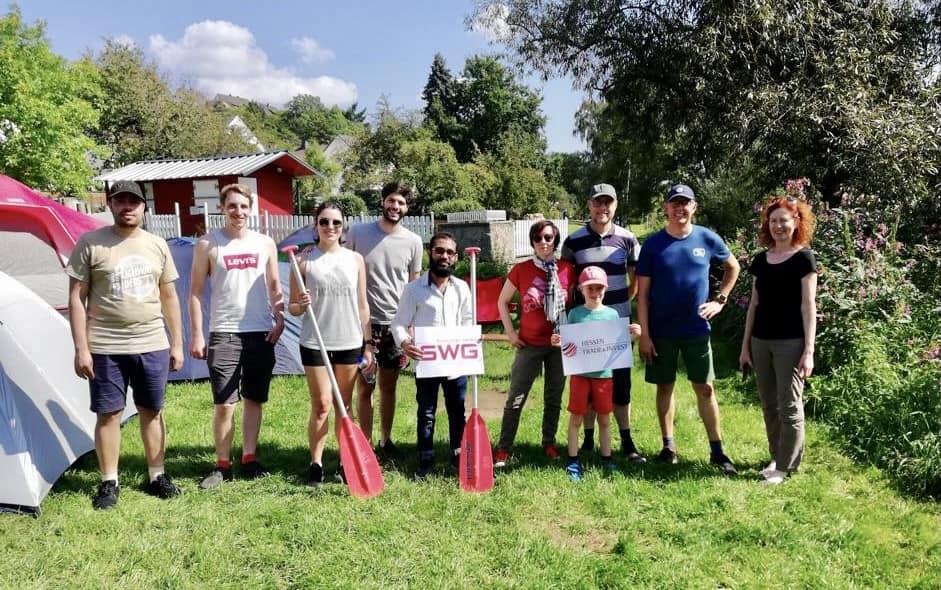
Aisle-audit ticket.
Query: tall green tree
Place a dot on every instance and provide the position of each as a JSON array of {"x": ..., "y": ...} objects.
[
  {"x": 474, "y": 111},
  {"x": 142, "y": 118},
  {"x": 44, "y": 110},
  {"x": 837, "y": 91}
]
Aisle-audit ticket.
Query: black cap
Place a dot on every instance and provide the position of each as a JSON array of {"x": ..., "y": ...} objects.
[{"x": 126, "y": 187}]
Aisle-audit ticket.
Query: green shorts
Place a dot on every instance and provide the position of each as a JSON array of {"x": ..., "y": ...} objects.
[{"x": 697, "y": 356}]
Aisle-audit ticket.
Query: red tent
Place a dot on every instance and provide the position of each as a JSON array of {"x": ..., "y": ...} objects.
[{"x": 25, "y": 210}]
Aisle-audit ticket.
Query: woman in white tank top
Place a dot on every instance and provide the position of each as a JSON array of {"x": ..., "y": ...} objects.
[{"x": 335, "y": 287}]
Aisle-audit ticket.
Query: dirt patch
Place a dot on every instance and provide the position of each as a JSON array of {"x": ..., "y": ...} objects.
[
  {"x": 489, "y": 402},
  {"x": 589, "y": 536}
]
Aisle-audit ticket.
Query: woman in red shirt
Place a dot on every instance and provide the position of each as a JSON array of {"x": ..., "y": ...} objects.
[{"x": 543, "y": 283}]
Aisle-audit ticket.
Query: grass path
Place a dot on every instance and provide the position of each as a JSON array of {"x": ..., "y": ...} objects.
[{"x": 834, "y": 525}]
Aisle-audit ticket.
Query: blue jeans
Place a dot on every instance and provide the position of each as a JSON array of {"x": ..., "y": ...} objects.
[{"x": 426, "y": 394}]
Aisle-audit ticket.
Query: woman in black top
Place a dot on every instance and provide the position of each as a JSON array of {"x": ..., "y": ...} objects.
[{"x": 780, "y": 328}]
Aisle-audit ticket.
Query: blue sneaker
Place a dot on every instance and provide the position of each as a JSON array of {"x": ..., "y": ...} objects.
[
  {"x": 574, "y": 470},
  {"x": 610, "y": 468}
]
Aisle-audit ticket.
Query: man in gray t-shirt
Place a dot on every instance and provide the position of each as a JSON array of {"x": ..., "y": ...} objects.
[{"x": 393, "y": 256}]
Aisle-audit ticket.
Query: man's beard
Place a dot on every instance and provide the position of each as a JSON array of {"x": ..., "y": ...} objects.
[
  {"x": 385, "y": 215},
  {"x": 442, "y": 270}
]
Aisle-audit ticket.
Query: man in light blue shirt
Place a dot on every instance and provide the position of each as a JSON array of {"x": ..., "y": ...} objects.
[{"x": 435, "y": 299}]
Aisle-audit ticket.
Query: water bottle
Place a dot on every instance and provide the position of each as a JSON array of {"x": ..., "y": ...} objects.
[{"x": 368, "y": 374}]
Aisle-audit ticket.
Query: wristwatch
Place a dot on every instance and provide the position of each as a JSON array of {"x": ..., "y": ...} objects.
[{"x": 721, "y": 299}]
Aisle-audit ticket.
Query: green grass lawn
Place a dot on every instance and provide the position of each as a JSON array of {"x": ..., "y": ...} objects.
[{"x": 833, "y": 525}]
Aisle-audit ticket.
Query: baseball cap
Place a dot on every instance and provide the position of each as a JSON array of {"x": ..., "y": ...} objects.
[
  {"x": 126, "y": 187},
  {"x": 593, "y": 275},
  {"x": 603, "y": 190},
  {"x": 681, "y": 190}
]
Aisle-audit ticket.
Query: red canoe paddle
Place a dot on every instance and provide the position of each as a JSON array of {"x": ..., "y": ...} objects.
[
  {"x": 475, "y": 470},
  {"x": 360, "y": 467}
]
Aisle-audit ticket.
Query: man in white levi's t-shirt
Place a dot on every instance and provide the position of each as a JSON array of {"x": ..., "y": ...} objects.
[{"x": 246, "y": 319}]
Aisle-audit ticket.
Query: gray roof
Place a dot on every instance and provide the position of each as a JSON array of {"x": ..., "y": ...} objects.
[{"x": 240, "y": 164}]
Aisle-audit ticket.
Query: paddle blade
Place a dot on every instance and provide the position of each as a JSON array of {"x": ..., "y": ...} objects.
[
  {"x": 360, "y": 467},
  {"x": 476, "y": 467}
]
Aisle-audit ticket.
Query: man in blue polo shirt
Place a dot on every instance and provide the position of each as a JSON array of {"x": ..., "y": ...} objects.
[
  {"x": 602, "y": 243},
  {"x": 674, "y": 309}
]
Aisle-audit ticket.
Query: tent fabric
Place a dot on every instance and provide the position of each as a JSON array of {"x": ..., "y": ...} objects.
[
  {"x": 23, "y": 209},
  {"x": 287, "y": 351},
  {"x": 37, "y": 236},
  {"x": 44, "y": 406}
]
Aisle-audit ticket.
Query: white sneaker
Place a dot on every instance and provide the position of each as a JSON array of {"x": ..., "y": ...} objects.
[
  {"x": 768, "y": 469},
  {"x": 774, "y": 477}
]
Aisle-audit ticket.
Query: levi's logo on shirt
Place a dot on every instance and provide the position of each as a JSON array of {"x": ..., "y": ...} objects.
[{"x": 240, "y": 261}]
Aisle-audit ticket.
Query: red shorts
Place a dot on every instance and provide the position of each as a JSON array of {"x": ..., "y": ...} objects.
[{"x": 585, "y": 389}]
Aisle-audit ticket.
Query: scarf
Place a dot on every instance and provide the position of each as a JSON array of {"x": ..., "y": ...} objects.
[{"x": 554, "y": 302}]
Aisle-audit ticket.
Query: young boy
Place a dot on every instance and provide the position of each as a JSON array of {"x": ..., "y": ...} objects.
[{"x": 596, "y": 387}]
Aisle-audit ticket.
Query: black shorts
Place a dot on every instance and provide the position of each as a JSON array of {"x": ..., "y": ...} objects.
[
  {"x": 311, "y": 357},
  {"x": 240, "y": 363},
  {"x": 388, "y": 355}
]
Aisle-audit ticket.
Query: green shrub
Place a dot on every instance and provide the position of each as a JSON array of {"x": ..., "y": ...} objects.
[
  {"x": 486, "y": 269},
  {"x": 455, "y": 206}
]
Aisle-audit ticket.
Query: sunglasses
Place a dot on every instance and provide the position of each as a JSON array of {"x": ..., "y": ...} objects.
[
  {"x": 324, "y": 222},
  {"x": 438, "y": 250},
  {"x": 548, "y": 238}
]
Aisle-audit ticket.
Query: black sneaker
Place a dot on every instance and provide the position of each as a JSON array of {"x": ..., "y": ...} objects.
[
  {"x": 725, "y": 464},
  {"x": 106, "y": 497},
  {"x": 631, "y": 454},
  {"x": 388, "y": 450},
  {"x": 162, "y": 487},
  {"x": 315, "y": 475},
  {"x": 340, "y": 476},
  {"x": 667, "y": 455},
  {"x": 254, "y": 470},
  {"x": 216, "y": 477},
  {"x": 424, "y": 468}
]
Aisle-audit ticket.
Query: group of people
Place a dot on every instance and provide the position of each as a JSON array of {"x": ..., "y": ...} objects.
[{"x": 367, "y": 297}]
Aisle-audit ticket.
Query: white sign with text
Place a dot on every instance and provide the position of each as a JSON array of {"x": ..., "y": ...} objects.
[
  {"x": 596, "y": 346},
  {"x": 449, "y": 351}
]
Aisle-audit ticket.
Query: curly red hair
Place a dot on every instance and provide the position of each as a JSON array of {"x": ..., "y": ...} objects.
[{"x": 806, "y": 222}]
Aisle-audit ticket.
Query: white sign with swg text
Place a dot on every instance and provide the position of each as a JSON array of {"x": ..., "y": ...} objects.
[
  {"x": 449, "y": 351},
  {"x": 596, "y": 346}
]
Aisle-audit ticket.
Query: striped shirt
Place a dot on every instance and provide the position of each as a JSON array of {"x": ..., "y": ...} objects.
[{"x": 614, "y": 252}]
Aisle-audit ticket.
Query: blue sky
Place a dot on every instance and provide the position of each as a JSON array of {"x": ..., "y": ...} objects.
[{"x": 342, "y": 51}]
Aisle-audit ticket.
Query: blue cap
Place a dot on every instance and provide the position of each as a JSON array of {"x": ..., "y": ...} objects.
[{"x": 681, "y": 190}]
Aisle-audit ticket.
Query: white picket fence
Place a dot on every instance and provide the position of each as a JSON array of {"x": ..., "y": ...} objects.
[
  {"x": 521, "y": 245},
  {"x": 281, "y": 226},
  {"x": 276, "y": 226}
]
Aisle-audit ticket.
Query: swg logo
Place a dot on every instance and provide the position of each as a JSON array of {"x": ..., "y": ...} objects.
[{"x": 449, "y": 352}]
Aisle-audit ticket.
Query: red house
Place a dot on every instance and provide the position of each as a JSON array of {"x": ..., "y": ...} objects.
[{"x": 194, "y": 183}]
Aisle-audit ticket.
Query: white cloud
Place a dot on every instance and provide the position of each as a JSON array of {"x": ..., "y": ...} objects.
[
  {"x": 222, "y": 57},
  {"x": 311, "y": 51},
  {"x": 491, "y": 22}
]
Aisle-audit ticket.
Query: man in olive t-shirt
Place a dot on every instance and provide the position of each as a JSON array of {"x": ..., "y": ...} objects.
[{"x": 120, "y": 292}]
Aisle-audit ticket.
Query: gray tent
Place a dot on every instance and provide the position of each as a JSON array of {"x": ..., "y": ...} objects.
[{"x": 46, "y": 423}]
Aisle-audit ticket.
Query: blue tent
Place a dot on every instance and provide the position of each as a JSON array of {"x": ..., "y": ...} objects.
[{"x": 287, "y": 352}]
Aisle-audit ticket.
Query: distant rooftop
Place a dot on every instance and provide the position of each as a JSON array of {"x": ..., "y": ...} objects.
[{"x": 239, "y": 164}]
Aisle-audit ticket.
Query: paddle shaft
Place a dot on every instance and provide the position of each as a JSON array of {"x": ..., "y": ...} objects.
[
  {"x": 341, "y": 407},
  {"x": 473, "y": 285}
]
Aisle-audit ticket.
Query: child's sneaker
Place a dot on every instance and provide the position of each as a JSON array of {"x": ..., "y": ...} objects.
[
  {"x": 610, "y": 468},
  {"x": 162, "y": 487},
  {"x": 500, "y": 458},
  {"x": 667, "y": 455},
  {"x": 550, "y": 451},
  {"x": 315, "y": 475},
  {"x": 574, "y": 469}
]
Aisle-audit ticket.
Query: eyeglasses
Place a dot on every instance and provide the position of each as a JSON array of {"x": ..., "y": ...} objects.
[
  {"x": 544, "y": 238},
  {"x": 324, "y": 222},
  {"x": 438, "y": 250}
]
